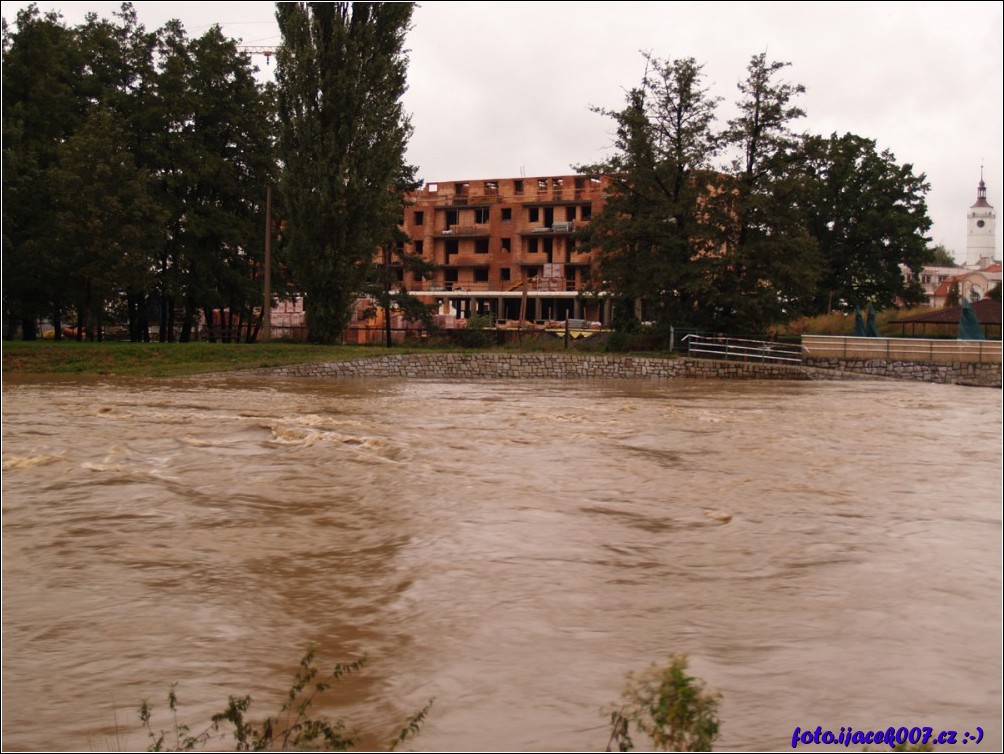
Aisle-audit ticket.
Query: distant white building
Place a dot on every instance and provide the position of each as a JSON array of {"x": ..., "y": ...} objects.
[
  {"x": 980, "y": 273},
  {"x": 981, "y": 230}
]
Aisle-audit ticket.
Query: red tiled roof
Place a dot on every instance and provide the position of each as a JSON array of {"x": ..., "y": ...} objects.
[{"x": 987, "y": 311}]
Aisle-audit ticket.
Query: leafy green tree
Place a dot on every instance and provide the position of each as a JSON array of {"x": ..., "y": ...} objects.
[
  {"x": 650, "y": 235},
  {"x": 121, "y": 77},
  {"x": 769, "y": 263},
  {"x": 954, "y": 297},
  {"x": 341, "y": 73},
  {"x": 43, "y": 105},
  {"x": 869, "y": 216},
  {"x": 942, "y": 257},
  {"x": 231, "y": 160},
  {"x": 104, "y": 219}
]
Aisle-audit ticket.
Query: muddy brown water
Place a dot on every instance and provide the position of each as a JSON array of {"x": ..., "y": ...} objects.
[{"x": 825, "y": 554}]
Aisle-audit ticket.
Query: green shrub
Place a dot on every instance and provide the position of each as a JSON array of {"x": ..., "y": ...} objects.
[
  {"x": 290, "y": 728},
  {"x": 669, "y": 707}
]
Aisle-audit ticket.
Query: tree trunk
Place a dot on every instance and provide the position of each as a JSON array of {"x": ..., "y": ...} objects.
[
  {"x": 186, "y": 322},
  {"x": 253, "y": 334},
  {"x": 170, "y": 320},
  {"x": 57, "y": 324},
  {"x": 210, "y": 324}
]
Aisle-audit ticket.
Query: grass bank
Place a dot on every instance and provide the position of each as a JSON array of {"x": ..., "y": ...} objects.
[{"x": 168, "y": 359}]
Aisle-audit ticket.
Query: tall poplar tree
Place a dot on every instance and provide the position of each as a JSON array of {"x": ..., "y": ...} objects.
[
  {"x": 341, "y": 72},
  {"x": 771, "y": 263}
]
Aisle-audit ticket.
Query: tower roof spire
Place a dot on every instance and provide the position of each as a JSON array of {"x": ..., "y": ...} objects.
[{"x": 981, "y": 193}]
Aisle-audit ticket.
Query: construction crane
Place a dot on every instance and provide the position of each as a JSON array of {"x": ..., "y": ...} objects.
[{"x": 268, "y": 52}]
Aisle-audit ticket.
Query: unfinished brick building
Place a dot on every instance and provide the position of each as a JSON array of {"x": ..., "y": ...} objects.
[{"x": 506, "y": 247}]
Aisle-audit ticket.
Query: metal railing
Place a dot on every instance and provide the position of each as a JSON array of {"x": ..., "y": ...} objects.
[
  {"x": 902, "y": 349},
  {"x": 741, "y": 349}
]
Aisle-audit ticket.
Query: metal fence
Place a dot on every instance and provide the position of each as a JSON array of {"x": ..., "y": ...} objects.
[{"x": 741, "y": 349}]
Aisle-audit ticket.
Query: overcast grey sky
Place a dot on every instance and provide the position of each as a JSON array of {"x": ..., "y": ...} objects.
[{"x": 503, "y": 89}]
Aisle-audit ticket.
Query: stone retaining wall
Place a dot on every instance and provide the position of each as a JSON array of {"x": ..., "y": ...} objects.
[
  {"x": 558, "y": 366},
  {"x": 955, "y": 373},
  {"x": 538, "y": 366}
]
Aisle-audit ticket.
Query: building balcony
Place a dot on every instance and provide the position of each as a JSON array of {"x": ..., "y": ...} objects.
[
  {"x": 556, "y": 228},
  {"x": 466, "y": 231}
]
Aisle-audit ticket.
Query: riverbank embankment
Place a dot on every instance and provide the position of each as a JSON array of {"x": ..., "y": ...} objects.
[{"x": 571, "y": 366}]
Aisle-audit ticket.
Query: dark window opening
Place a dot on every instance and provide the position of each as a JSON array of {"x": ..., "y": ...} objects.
[
  {"x": 480, "y": 274},
  {"x": 451, "y": 275},
  {"x": 419, "y": 247},
  {"x": 534, "y": 215},
  {"x": 569, "y": 213},
  {"x": 481, "y": 215},
  {"x": 452, "y": 246},
  {"x": 548, "y": 216},
  {"x": 452, "y": 217},
  {"x": 586, "y": 211},
  {"x": 517, "y": 187},
  {"x": 506, "y": 273},
  {"x": 480, "y": 245},
  {"x": 506, "y": 244},
  {"x": 419, "y": 218},
  {"x": 491, "y": 188},
  {"x": 506, "y": 214},
  {"x": 531, "y": 245}
]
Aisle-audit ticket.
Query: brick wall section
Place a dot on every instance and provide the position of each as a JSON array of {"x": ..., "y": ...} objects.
[{"x": 568, "y": 366}]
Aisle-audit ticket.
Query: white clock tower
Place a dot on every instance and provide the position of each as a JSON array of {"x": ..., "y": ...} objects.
[{"x": 981, "y": 229}]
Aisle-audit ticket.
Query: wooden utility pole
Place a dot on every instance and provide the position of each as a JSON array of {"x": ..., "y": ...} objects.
[{"x": 266, "y": 321}]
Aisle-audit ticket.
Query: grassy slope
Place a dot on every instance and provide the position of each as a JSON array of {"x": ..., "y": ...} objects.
[{"x": 167, "y": 359}]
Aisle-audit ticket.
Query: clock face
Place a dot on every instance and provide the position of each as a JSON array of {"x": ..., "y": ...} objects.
[{"x": 980, "y": 223}]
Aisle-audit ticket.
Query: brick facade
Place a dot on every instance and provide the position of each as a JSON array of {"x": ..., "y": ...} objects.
[{"x": 488, "y": 239}]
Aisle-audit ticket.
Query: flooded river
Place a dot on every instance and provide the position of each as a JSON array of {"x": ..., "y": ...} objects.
[{"x": 824, "y": 553}]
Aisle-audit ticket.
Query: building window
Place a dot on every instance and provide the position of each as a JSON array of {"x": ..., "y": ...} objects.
[
  {"x": 480, "y": 274},
  {"x": 419, "y": 247},
  {"x": 452, "y": 218},
  {"x": 569, "y": 214},
  {"x": 517, "y": 187},
  {"x": 481, "y": 245},
  {"x": 481, "y": 215},
  {"x": 450, "y": 275},
  {"x": 452, "y": 246},
  {"x": 531, "y": 245},
  {"x": 506, "y": 274},
  {"x": 419, "y": 217},
  {"x": 541, "y": 184},
  {"x": 534, "y": 214},
  {"x": 506, "y": 244},
  {"x": 506, "y": 214},
  {"x": 586, "y": 212}
]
